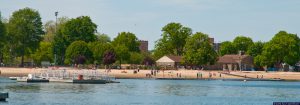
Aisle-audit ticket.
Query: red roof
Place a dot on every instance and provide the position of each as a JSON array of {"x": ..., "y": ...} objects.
[
  {"x": 175, "y": 58},
  {"x": 236, "y": 59}
]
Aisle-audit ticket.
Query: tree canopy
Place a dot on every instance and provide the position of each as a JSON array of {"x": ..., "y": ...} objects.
[
  {"x": 51, "y": 27},
  {"x": 2, "y": 38},
  {"x": 128, "y": 40},
  {"x": 80, "y": 28},
  {"x": 77, "y": 50},
  {"x": 135, "y": 58},
  {"x": 98, "y": 49},
  {"x": 103, "y": 38},
  {"x": 122, "y": 52},
  {"x": 255, "y": 49},
  {"x": 242, "y": 43},
  {"x": 25, "y": 26},
  {"x": 43, "y": 53},
  {"x": 199, "y": 50},
  {"x": 173, "y": 40},
  {"x": 227, "y": 47},
  {"x": 283, "y": 48}
]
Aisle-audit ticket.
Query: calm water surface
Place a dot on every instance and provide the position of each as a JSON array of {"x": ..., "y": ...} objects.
[{"x": 153, "y": 92}]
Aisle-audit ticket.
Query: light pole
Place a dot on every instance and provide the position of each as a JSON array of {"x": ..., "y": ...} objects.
[{"x": 56, "y": 13}]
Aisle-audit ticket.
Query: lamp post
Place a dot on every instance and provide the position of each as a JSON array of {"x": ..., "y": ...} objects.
[{"x": 56, "y": 13}]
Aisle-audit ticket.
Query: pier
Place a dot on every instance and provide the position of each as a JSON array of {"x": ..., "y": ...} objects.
[{"x": 64, "y": 76}]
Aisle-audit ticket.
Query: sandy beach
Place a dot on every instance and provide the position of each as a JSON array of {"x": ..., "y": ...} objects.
[{"x": 182, "y": 74}]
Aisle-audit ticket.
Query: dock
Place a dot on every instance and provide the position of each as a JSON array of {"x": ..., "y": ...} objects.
[
  {"x": 253, "y": 79},
  {"x": 62, "y": 76},
  {"x": 3, "y": 96},
  {"x": 32, "y": 80}
]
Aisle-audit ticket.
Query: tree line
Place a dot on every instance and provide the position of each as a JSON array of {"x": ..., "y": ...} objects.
[{"x": 23, "y": 38}]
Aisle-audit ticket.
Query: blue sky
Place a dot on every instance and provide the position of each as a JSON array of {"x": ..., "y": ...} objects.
[{"x": 221, "y": 19}]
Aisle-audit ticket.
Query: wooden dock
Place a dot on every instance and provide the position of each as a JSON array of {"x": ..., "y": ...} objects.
[{"x": 3, "y": 96}]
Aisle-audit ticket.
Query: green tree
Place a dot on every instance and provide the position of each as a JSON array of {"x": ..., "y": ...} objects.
[
  {"x": 148, "y": 61},
  {"x": 128, "y": 40},
  {"x": 77, "y": 50},
  {"x": 283, "y": 48},
  {"x": 103, "y": 38},
  {"x": 122, "y": 53},
  {"x": 227, "y": 47},
  {"x": 242, "y": 43},
  {"x": 43, "y": 53},
  {"x": 98, "y": 49},
  {"x": 255, "y": 49},
  {"x": 136, "y": 58},
  {"x": 59, "y": 47},
  {"x": 80, "y": 28},
  {"x": 50, "y": 28},
  {"x": 25, "y": 28},
  {"x": 70, "y": 30},
  {"x": 2, "y": 38},
  {"x": 199, "y": 51},
  {"x": 173, "y": 40}
]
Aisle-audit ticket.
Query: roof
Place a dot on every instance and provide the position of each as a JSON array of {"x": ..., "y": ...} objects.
[
  {"x": 236, "y": 59},
  {"x": 170, "y": 58},
  {"x": 175, "y": 58}
]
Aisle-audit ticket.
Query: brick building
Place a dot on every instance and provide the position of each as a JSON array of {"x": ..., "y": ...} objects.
[{"x": 143, "y": 45}]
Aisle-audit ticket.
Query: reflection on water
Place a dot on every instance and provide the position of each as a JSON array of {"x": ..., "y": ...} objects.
[
  {"x": 23, "y": 88},
  {"x": 153, "y": 92}
]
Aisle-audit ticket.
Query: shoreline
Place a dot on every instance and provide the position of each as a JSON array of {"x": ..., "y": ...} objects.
[{"x": 171, "y": 74}]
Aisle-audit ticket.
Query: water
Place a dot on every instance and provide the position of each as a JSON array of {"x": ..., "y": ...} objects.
[{"x": 153, "y": 92}]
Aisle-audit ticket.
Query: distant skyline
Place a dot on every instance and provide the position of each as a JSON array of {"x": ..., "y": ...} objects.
[{"x": 220, "y": 19}]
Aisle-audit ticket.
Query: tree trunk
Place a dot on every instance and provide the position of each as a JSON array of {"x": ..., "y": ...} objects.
[
  {"x": 120, "y": 63},
  {"x": 22, "y": 61},
  {"x": 1, "y": 59},
  {"x": 23, "y": 52}
]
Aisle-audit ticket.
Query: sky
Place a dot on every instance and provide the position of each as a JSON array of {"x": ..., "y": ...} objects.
[{"x": 220, "y": 19}]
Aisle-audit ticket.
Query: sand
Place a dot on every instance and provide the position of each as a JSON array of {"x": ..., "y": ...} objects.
[{"x": 186, "y": 74}]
